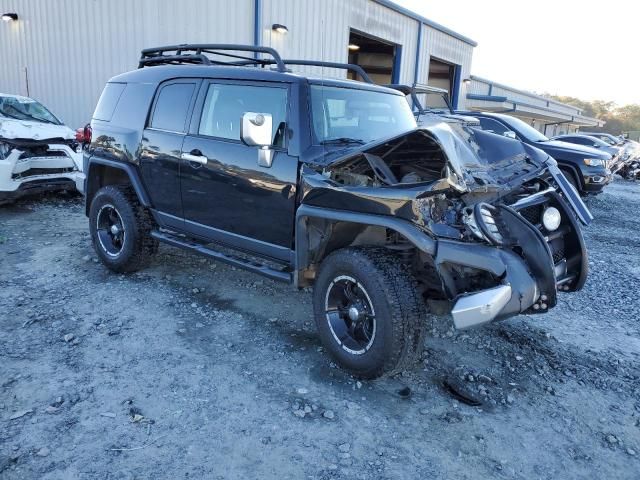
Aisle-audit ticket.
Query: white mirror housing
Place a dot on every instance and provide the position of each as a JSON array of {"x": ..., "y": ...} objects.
[{"x": 256, "y": 129}]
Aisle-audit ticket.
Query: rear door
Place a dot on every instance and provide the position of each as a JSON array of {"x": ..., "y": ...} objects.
[
  {"x": 162, "y": 143},
  {"x": 226, "y": 195}
]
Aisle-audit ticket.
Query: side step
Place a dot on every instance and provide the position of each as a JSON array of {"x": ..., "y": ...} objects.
[{"x": 234, "y": 260}]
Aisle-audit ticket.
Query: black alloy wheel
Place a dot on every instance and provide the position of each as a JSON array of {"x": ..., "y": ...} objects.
[
  {"x": 110, "y": 230},
  {"x": 350, "y": 315}
]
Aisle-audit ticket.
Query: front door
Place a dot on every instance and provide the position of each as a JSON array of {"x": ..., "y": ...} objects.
[{"x": 226, "y": 195}]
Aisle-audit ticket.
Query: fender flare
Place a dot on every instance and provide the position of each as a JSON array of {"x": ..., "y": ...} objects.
[
  {"x": 407, "y": 229},
  {"x": 129, "y": 170}
]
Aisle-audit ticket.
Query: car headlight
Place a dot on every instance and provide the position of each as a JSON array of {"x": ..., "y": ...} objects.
[
  {"x": 488, "y": 223},
  {"x": 594, "y": 162},
  {"x": 5, "y": 150},
  {"x": 551, "y": 218}
]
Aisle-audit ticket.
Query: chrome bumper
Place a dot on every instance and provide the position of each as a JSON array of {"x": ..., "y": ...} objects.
[{"x": 482, "y": 307}]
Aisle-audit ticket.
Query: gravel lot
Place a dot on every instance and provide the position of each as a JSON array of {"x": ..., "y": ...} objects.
[{"x": 192, "y": 369}]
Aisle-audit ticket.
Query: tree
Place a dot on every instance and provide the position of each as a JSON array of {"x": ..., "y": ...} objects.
[{"x": 619, "y": 119}]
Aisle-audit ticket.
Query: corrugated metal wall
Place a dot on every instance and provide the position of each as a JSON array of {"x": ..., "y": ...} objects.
[
  {"x": 445, "y": 47},
  {"x": 70, "y": 48},
  {"x": 320, "y": 29}
]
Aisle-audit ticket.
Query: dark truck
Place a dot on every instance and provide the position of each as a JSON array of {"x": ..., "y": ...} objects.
[
  {"x": 585, "y": 167},
  {"x": 328, "y": 183}
]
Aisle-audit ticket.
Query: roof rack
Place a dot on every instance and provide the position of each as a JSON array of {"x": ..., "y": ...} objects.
[{"x": 196, "y": 54}]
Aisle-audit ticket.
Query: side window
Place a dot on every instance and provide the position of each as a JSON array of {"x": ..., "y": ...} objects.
[
  {"x": 108, "y": 101},
  {"x": 172, "y": 106},
  {"x": 490, "y": 125},
  {"x": 225, "y": 104},
  {"x": 579, "y": 140}
]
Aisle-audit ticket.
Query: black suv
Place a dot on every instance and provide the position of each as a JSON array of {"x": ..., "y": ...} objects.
[
  {"x": 328, "y": 183},
  {"x": 585, "y": 167}
]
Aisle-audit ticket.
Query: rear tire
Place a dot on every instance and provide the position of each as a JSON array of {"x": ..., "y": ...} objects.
[
  {"x": 120, "y": 229},
  {"x": 369, "y": 312}
]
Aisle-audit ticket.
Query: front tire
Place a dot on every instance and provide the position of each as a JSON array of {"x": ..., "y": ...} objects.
[
  {"x": 369, "y": 312},
  {"x": 120, "y": 229},
  {"x": 571, "y": 178}
]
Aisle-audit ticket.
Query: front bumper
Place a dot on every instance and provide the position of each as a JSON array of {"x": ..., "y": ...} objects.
[
  {"x": 516, "y": 292},
  {"x": 595, "y": 179},
  {"x": 529, "y": 271},
  {"x": 59, "y": 168}
]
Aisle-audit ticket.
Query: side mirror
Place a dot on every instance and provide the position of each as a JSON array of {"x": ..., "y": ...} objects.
[
  {"x": 255, "y": 131},
  {"x": 595, "y": 145},
  {"x": 510, "y": 134}
]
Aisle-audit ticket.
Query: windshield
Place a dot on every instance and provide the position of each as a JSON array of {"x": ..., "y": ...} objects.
[
  {"x": 524, "y": 130},
  {"x": 343, "y": 115},
  {"x": 23, "y": 108},
  {"x": 608, "y": 140}
]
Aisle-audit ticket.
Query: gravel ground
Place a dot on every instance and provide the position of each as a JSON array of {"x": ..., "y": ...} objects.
[{"x": 192, "y": 369}]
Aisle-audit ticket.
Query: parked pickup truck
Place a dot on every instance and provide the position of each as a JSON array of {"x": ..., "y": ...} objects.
[{"x": 330, "y": 184}]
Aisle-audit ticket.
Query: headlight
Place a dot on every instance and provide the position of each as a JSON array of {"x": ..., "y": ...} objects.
[
  {"x": 488, "y": 224},
  {"x": 551, "y": 219},
  {"x": 5, "y": 150},
  {"x": 594, "y": 162}
]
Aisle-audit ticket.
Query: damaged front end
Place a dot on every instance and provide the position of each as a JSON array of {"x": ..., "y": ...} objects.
[
  {"x": 31, "y": 166},
  {"x": 483, "y": 221}
]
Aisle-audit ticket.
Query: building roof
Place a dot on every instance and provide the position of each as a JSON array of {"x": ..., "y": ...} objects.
[
  {"x": 491, "y": 96},
  {"x": 436, "y": 26}
]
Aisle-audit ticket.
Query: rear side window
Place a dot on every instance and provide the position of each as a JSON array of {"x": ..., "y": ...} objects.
[
  {"x": 108, "y": 101},
  {"x": 172, "y": 106}
]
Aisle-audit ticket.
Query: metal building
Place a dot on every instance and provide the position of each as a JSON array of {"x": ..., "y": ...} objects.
[
  {"x": 548, "y": 116},
  {"x": 62, "y": 52}
]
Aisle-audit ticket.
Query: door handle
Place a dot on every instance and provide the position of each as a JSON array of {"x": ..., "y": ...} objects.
[{"x": 194, "y": 158}]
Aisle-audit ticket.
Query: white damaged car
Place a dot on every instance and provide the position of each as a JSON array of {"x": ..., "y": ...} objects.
[{"x": 37, "y": 151}]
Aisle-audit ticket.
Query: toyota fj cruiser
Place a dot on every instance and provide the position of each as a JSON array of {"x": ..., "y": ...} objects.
[{"x": 328, "y": 183}]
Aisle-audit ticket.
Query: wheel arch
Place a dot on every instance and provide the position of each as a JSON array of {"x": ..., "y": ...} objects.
[
  {"x": 320, "y": 231},
  {"x": 102, "y": 172},
  {"x": 569, "y": 169}
]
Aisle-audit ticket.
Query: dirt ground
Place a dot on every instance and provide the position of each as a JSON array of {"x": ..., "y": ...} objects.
[{"x": 195, "y": 370}]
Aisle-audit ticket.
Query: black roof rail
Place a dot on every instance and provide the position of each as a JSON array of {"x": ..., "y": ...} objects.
[
  {"x": 316, "y": 63},
  {"x": 345, "y": 66},
  {"x": 195, "y": 54}
]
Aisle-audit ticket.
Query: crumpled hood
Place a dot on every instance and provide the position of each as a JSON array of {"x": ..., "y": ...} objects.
[
  {"x": 553, "y": 146},
  {"x": 23, "y": 129},
  {"x": 476, "y": 160},
  {"x": 485, "y": 158},
  {"x": 428, "y": 118}
]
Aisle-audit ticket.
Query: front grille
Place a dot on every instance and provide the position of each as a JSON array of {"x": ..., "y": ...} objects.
[
  {"x": 32, "y": 172},
  {"x": 40, "y": 152},
  {"x": 532, "y": 214}
]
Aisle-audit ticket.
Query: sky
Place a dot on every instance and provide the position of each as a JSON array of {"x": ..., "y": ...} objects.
[{"x": 584, "y": 49}]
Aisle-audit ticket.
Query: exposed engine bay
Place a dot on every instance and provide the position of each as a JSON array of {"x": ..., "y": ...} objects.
[{"x": 412, "y": 159}]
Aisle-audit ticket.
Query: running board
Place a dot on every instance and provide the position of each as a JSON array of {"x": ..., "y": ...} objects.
[{"x": 234, "y": 260}]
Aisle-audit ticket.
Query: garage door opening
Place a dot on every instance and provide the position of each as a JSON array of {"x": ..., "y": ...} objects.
[
  {"x": 378, "y": 58},
  {"x": 441, "y": 75}
]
